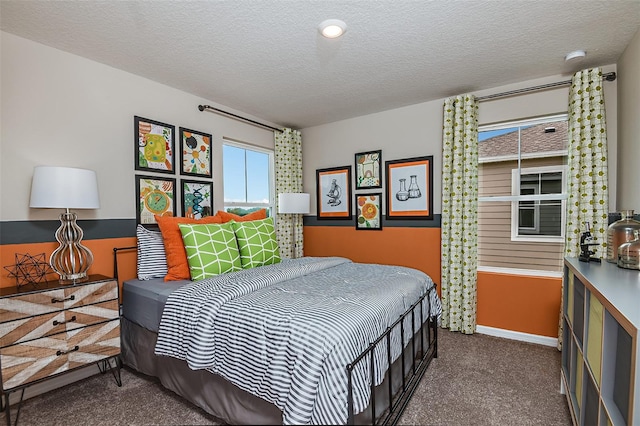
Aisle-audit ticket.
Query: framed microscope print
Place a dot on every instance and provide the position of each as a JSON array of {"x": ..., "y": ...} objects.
[
  {"x": 410, "y": 188},
  {"x": 333, "y": 190}
]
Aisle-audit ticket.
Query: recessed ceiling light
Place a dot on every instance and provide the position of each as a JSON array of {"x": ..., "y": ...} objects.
[
  {"x": 332, "y": 28},
  {"x": 576, "y": 54}
]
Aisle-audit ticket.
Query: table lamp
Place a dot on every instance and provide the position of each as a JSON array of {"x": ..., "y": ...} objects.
[
  {"x": 66, "y": 188},
  {"x": 293, "y": 203}
]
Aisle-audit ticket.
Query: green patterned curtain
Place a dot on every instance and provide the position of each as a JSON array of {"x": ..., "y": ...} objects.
[
  {"x": 460, "y": 213},
  {"x": 587, "y": 161},
  {"x": 288, "y": 146},
  {"x": 588, "y": 191}
]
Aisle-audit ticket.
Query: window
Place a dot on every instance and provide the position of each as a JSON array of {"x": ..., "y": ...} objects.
[
  {"x": 521, "y": 188},
  {"x": 536, "y": 219},
  {"x": 248, "y": 178}
]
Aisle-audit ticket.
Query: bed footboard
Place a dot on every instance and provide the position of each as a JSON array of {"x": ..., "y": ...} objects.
[{"x": 389, "y": 400}]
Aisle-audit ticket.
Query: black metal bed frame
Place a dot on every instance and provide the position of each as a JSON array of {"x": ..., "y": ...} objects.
[{"x": 395, "y": 404}]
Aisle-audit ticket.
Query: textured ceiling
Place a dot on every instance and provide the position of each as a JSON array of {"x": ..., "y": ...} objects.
[{"x": 266, "y": 58}]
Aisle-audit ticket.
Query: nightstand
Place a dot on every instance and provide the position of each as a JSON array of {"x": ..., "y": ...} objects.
[{"x": 52, "y": 328}]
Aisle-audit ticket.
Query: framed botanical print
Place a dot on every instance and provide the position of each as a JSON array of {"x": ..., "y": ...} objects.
[
  {"x": 154, "y": 196},
  {"x": 369, "y": 170},
  {"x": 369, "y": 214},
  {"x": 410, "y": 188},
  {"x": 196, "y": 198},
  {"x": 333, "y": 191},
  {"x": 195, "y": 153},
  {"x": 154, "y": 145}
]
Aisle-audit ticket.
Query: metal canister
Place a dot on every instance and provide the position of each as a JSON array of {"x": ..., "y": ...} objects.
[
  {"x": 629, "y": 253},
  {"x": 620, "y": 232}
]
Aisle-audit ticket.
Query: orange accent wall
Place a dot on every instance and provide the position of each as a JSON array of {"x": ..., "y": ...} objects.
[
  {"x": 417, "y": 248},
  {"x": 510, "y": 302},
  {"x": 519, "y": 303},
  {"x": 102, "y": 257}
]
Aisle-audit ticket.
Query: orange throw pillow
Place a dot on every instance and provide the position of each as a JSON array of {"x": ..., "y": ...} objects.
[
  {"x": 257, "y": 215},
  {"x": 177, "y": 265}
]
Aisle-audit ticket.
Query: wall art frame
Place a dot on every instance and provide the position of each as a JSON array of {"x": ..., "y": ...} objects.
[
  {"x": 154, "y": 195},
  {"x": 196, "y": 198},
  {"x": 154, "y": 145},
  {"x": 369, "y": 211},
  {"x": 368, "y": 169},
  {"x": 333, "y": 193},
  {"x": 409, "y": 188},
  {"x": 195, "y": 153}
]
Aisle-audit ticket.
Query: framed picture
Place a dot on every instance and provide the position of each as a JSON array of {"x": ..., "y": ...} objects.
[
  {"x": 154, "y": 196},
  {"x": 333, "y": 191},
  {"x": 369, "y": 214},
  {"x": 154, "y": 145},
  {"x": 369, "y": 169},
  {"x": 196, "y": 198},
  {"x": 410, "y": 188},
  {"x": 195, "y": 153}
]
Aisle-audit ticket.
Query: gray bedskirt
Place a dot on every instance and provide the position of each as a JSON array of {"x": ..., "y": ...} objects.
[{"x": 218, "y": 396}]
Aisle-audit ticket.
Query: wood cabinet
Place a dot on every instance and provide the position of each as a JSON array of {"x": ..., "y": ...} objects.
[
  {"x": 50, "y": 329},
  {"x": 600, "y": 345}
]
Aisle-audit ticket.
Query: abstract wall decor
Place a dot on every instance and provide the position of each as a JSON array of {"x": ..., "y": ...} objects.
[
  {"x": 196, "y": 199},
  {"x": 369, "y": 214},
  {"x": 369, "y": 170},
  {"x": 195, "y": 153},
  {"x": 154, "y": 145},
  {"x": 154, "y": 196}
]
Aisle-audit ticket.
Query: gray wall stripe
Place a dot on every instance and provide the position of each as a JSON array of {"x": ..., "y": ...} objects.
[
  {"x": 435, "y": 223},
  {"x": 43, "y": 231}
]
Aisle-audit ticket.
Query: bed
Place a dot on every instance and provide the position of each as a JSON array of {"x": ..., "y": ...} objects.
[{"x": 304, "y": 341}]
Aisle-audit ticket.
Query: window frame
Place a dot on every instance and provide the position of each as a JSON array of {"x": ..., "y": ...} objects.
[
  {"x": 514, "y": 199},
  {"x": 536, "y": 198},
  {"x": 271, "y": 205}
]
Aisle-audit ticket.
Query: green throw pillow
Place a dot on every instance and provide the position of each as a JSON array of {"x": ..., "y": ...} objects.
[
  {"x": 211, "y": 249},
  {"x": 257, "y": 243}
]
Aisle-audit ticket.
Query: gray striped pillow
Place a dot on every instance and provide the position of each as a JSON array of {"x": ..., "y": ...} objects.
[{"x": 152, "y": 260}]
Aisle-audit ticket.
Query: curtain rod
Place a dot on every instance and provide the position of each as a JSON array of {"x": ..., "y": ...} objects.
[
  {"x": 610, "y": 76},
  {"x": 256, "y": 123}
]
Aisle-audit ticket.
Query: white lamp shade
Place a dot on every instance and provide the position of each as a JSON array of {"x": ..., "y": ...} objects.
[
  {"x": 295, "y": 203},
  {"x": 64, "y": 188}
]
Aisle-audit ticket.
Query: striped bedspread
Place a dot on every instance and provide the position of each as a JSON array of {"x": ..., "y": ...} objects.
[{"x": 286, "y": 332}]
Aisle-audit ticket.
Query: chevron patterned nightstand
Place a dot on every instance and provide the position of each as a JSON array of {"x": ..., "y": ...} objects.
[{"x": 54, "y": 328}]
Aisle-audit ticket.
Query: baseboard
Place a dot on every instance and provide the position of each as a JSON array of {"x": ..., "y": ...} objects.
[{"x": 517, "y": 335}]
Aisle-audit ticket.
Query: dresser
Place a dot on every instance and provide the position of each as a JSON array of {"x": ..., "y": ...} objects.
[
  {"x": 601, "y": 343},
  {"x": 49, "y": 329}
]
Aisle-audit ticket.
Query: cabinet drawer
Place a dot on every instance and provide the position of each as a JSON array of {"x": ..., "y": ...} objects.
[
  {"x": 26, "y": 305},
  {"x": 25, "y": 329},
  {"x": 36, "y": 359}
]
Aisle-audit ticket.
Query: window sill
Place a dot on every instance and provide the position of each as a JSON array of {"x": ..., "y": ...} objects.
[{"x": 522, "y": 272}]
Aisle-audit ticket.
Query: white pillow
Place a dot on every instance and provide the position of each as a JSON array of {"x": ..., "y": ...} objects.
[{"x": 152, "y": 260}]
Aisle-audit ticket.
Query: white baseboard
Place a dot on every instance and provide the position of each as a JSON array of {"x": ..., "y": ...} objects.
[{"x": 517, "y": 335}]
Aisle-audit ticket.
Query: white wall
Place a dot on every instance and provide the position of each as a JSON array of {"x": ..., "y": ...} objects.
[
  {"x": 411, "y": 131},
  {"x": 416, "y": 130},
  {"x": 629, "y": 127},
  {"x": 62, "y": 109}
]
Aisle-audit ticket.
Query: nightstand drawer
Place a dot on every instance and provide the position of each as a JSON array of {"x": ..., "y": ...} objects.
[
  {"x": 25, "y": 329},
  {"x": 30, "y": 304},
  {"x": 37, "y": 359}
]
